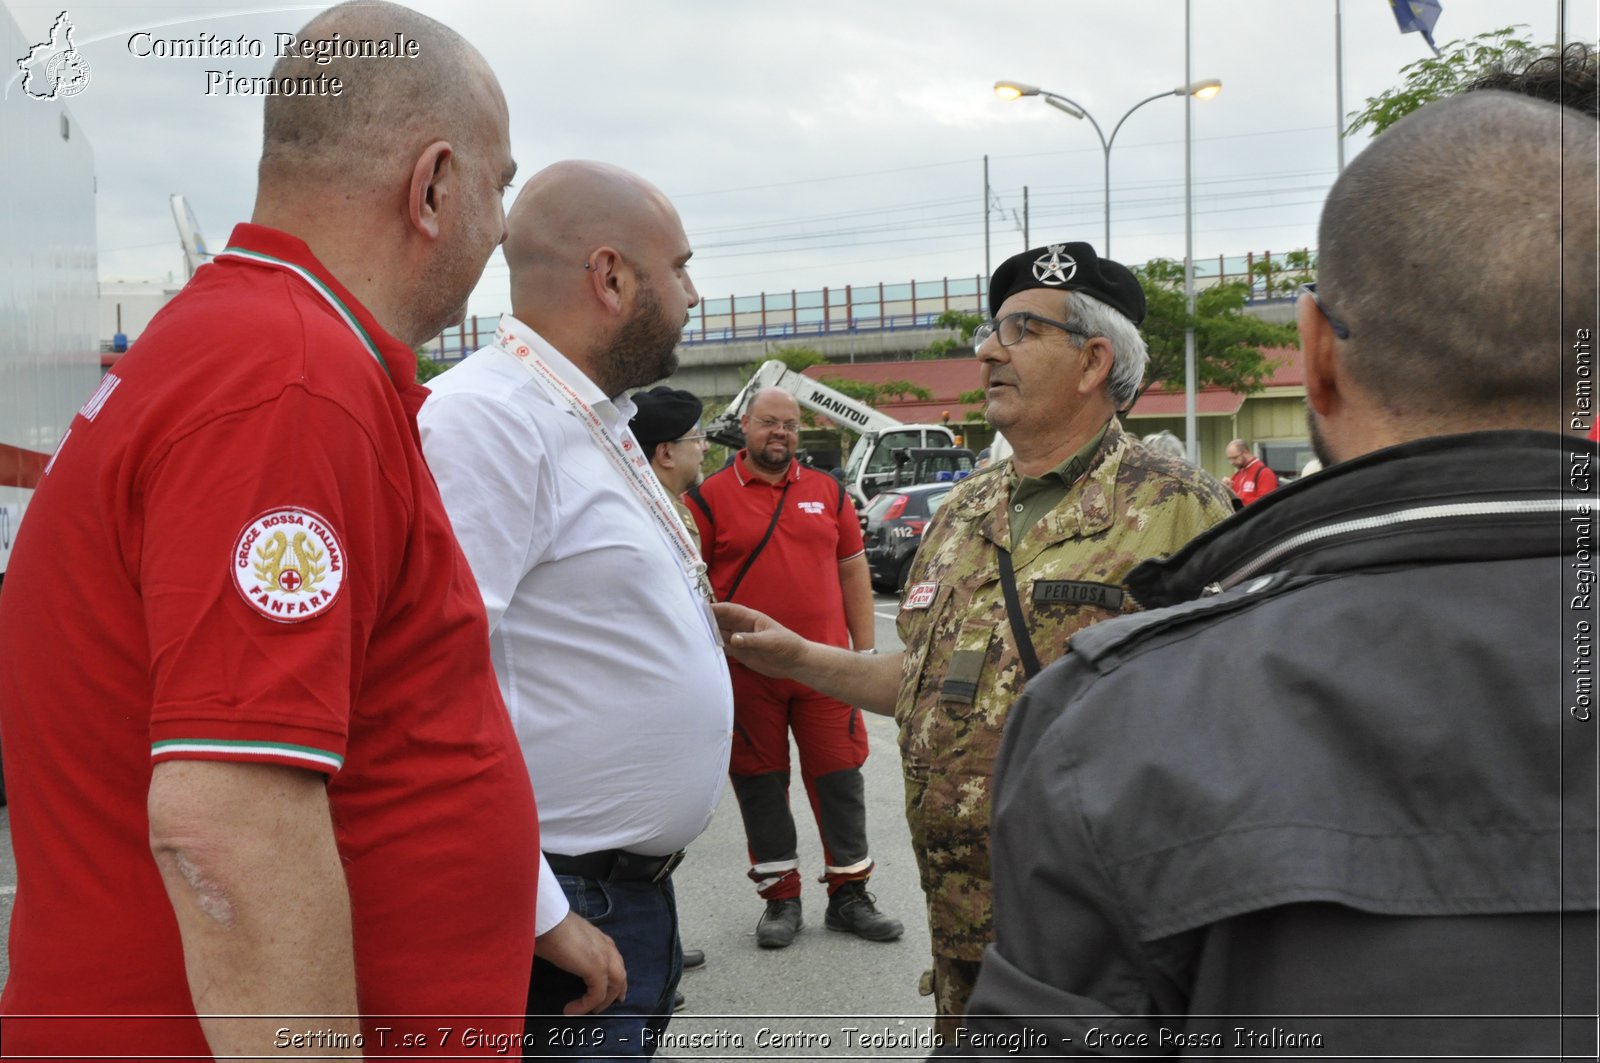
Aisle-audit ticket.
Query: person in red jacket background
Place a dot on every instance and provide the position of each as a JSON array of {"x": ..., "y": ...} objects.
[{"x": 1251, "y": 479}]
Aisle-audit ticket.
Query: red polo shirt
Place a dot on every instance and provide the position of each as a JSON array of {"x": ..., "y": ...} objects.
[
  {"x": 238, "y": 554},
  {"x": 1253, "y": 481},
  {"x": 795, "y": 578}
]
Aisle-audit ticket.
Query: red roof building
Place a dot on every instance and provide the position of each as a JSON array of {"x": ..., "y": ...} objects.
[{"x": 1272, "y": 421}]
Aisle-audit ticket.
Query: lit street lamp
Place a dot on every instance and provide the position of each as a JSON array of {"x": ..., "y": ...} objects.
[{"x": 1011, "y": 90}]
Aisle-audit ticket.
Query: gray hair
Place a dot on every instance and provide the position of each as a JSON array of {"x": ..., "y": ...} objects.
[
  {"x": 1129, "y": 353},
  {"x": 1164, "y": 442}
]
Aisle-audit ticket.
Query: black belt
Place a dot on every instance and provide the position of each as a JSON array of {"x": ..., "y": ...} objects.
[{"x": 616, "y": 865}]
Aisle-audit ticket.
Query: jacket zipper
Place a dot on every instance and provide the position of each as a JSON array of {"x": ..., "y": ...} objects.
[{"x": 1406, "y": 516}]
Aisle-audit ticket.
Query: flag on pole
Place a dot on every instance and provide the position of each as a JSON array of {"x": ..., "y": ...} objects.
[{"x": 1417, "y": 16}]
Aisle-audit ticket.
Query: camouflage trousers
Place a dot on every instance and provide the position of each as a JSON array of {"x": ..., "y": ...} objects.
[{"x": 949, "y": 981}]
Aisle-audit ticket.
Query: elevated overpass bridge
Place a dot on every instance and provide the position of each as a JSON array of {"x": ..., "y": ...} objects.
[
  {"x": 711, "y": 367},
  {"x": 855, "y": 323}
]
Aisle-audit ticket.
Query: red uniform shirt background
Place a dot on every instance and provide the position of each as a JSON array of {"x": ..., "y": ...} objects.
[
  {"x": 1253, "y": 481},
  {"x": 818, "y": 526},
  {"x": 130, "y": 636}
]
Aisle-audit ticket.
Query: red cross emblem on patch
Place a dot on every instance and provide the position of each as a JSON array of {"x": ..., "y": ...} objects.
[{"x": 288, "y": 564}]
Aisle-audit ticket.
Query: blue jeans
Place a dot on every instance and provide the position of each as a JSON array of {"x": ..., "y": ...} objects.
[{"x": 643, "y": 920}]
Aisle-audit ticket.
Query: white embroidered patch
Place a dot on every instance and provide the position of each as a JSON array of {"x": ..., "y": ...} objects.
[
  {"x": 288, "y": 565},
  {"x": 921, "y": 596}
]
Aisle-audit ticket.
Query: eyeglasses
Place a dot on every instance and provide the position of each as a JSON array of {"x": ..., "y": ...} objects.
[
  {"x": 1340, "y": 329},
  {"x": 772, "y": 424},
  {"x": 1013, "y": 327},
  {"x": 692, "y": 437}
]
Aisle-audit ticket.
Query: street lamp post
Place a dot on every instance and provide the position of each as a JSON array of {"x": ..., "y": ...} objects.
[{"x": 1011, "y": 90}]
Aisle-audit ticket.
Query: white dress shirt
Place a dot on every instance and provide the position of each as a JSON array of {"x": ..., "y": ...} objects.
[{"x": 606, "y": 653}]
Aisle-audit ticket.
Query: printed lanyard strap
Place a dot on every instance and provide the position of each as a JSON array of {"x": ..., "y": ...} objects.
[{"x": 634, "y": 467}]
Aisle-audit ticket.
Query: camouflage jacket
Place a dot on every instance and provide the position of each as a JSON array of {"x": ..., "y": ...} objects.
[
  {"x": 962, "y": 671},
  {"x": 688, "y": 519}
]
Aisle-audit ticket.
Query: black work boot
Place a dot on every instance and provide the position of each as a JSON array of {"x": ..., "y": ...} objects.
[
  {"x": 779, "y": 924},
  {"x": 852, "y": 910}
]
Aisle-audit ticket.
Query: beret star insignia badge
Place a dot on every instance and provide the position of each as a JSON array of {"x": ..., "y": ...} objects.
[{"x": 1053, "y": 267}]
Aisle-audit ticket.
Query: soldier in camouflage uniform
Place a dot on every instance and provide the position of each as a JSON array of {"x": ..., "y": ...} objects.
[
  {"x": 962, "y": 669},
  {"x": 1078, "y": 505}
]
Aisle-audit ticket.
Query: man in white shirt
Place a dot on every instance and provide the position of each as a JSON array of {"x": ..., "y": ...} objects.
[{"x": 600, "y": 630}]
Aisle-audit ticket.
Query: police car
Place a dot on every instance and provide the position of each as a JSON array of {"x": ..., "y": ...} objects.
[{"x": 892, "y": 528}]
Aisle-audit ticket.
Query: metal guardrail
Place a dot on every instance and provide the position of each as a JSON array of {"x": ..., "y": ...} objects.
[
  {"x": 780, "y": 330},
  {"x": 870, "y": 308}
]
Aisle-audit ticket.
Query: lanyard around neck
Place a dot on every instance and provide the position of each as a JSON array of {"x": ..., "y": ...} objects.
[{"x": 627, "y": 458}]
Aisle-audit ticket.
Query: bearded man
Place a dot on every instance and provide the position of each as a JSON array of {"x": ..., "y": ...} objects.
[{"x": 599, "y": 621}]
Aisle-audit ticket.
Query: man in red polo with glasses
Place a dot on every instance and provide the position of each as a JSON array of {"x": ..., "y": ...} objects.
[
  {"x": 784, "y": 538},
  {"x": 1252, "y": 480}
]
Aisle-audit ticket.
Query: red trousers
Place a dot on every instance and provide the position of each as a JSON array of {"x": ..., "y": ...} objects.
[{"x": 832, "y": 739}]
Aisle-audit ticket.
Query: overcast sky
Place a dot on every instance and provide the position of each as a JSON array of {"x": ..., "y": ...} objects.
[{"x": 819, "y": 142}]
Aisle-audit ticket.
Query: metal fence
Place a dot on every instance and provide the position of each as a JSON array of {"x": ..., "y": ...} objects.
[{"x": 877, "y": 307}]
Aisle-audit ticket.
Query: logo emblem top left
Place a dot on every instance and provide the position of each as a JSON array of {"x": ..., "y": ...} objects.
[{"x": 54, "y": 68}]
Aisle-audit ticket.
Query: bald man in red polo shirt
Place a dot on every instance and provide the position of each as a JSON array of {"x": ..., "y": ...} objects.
[
  {"x": 264, "y": 787},
  {"x": 785, "y": 539},
  {"x": 1252, "y": 480}
]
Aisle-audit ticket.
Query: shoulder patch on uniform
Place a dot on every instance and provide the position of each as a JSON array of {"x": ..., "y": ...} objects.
[
  {"x": 288, "y": 564},
  {"x": 920, "y": 596}
]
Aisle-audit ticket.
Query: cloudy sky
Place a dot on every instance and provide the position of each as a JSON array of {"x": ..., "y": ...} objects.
[{"x": 819, "y": 142}]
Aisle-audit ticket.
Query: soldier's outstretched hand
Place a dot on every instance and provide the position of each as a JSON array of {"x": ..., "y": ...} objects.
[{"x": 757, "y": 641}]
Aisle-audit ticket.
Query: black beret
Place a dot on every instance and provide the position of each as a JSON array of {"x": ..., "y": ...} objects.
[
  {"x": 664, "y": 414},
  {"x": 1073, "y": 268}
]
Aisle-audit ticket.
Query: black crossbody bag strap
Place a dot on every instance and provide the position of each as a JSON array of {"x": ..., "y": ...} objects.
[
  {"x": 700, "y": 500},
  {"x": 776, "y": 513},
  {"x": 1019, "y": 630}
]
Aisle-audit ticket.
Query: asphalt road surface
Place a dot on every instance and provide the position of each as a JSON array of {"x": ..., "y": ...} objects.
[{"x": 829, "y": 995}]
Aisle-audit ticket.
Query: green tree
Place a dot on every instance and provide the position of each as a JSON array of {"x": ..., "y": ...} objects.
[
  {"x": 427, "y": 368},
  {"x": 1284, "y": 275},
  {"x": 1227, "y": 341},
  {"x": 873, "y": 394},
  {"x": 1434, "y": 77},
  {"x": 964, "y": 323}
]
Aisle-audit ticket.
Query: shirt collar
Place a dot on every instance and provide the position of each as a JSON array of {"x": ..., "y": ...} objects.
[
  {"x": 399, "y": 360},
  {"x": 616, "y": 413},
  {"x": 741, "y": 469},
  {"x": 1068, "y": 472}
]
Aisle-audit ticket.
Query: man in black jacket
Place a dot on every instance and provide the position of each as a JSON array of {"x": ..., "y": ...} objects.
[{"x": 1335, "y": 794}]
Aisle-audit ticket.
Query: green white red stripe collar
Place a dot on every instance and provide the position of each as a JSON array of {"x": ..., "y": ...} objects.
[{"x": 321, "y": 288}]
